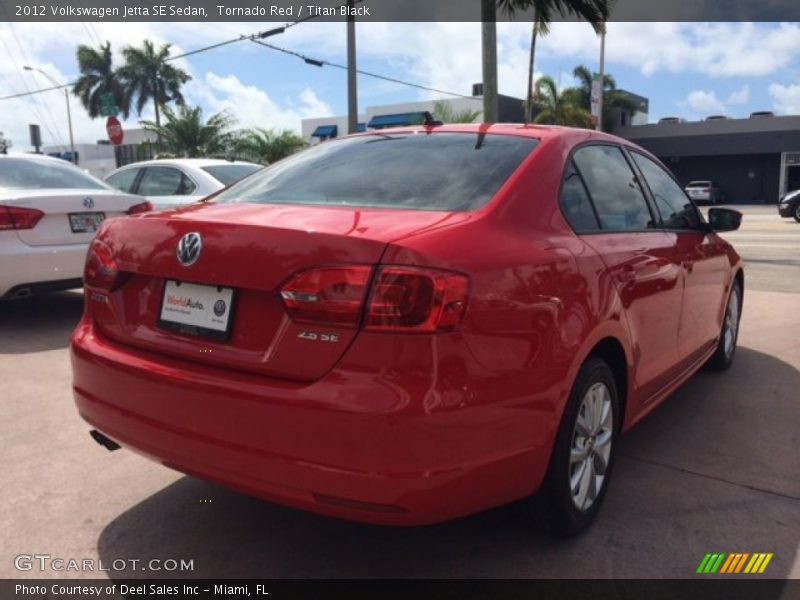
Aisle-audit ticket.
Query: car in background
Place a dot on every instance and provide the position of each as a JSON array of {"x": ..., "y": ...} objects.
[
  {"x": 167, "y": 183},
  {"x": 789, "y": 205},
  {"x": 410, "y": 325},
  {"x": 49, "y": 213},
  {"x": 705, "y": 191}
]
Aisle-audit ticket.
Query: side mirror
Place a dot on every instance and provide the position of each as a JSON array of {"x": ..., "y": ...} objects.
[{"x": 724, "y": 219}]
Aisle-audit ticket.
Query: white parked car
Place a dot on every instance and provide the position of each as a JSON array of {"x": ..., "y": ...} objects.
[
  {"x": 49, "y": 213},
  {"x": 167, "y": 183}
]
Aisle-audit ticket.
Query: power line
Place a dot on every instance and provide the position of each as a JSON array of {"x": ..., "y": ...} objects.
[{"x": 320, "y": 63}]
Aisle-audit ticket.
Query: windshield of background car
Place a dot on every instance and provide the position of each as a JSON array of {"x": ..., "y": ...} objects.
[
  {"x": 228, "y": 174},
  {"x": 35, "y": 174},
  {"x": 420, "y": 171}
]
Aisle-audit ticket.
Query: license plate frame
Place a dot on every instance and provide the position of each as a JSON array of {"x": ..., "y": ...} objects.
[
  {"x": 185, "y": 317},
  {"x": 80, "y": 222}
]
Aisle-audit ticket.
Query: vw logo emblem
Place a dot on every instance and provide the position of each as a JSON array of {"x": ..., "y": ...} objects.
[
  {"x": 88, "y": 202},
  {"x": 188, "y": 250}
]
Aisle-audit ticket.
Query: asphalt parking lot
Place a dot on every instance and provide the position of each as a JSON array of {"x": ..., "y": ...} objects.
[{"x": 714, "y": 469}]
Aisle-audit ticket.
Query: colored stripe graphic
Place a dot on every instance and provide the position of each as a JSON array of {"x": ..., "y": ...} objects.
[{"x": 722, "y": 563}]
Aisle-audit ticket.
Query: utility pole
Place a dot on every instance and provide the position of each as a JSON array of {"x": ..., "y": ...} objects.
[
  {"x": 74, "y": 158},
  {"x": 489, "y": 44},
  {"x": 352, "y": 82},
  {"x": 602, "y": 77}
]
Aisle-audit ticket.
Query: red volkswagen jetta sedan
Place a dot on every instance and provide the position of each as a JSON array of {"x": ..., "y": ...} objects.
[{"x": 410, "y": 325}]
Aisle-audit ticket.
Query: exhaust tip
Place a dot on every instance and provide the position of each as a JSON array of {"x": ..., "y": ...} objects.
[{"x": 107, "y": 443}]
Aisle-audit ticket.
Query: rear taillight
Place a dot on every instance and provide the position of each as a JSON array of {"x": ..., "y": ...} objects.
[
  {"x": 331, "y": 295},
  {"x": 404, "y": 299},
  {"x": 412, "y": 299},
  {"x": 17, "y": 217},
  {"x": 101, "y": 269},
  {"x": 142, "y": 207}
]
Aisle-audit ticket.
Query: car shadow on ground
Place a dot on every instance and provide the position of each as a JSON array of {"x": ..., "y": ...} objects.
[
  {"x": 39, "y": 323},
  {"x": 679, "y": 491}
]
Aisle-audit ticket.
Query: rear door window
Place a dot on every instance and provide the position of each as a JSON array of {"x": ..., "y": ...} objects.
[
  {"x": 614, "y": 189},
  {"x": 419, "y": 171},
  {"x": 676, "y": 210},
  {"x": 165, "y": 181},
  {"x": 124, "y": 180},
  {"x": 575, "y": 202}
]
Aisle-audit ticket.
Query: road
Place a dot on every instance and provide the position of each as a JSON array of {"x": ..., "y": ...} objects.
[
  {"x": 715, "y": 469},
  {"x": 771, "y": 248}
]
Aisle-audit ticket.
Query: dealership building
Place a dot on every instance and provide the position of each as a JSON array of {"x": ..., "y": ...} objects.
[{"x": 754, "y": 160}]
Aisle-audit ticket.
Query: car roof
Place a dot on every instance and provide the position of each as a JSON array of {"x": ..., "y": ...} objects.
[
  {"x": 40, "y": 157},
  {"x": 190, "y": 162},
  {"x": 540, "y": 132}
]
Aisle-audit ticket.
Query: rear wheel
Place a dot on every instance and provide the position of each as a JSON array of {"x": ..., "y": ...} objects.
[
  {"x": 726, "y": 347},
  {"x": 583, "y": 456},
  {"x": 797, "y": 212}
]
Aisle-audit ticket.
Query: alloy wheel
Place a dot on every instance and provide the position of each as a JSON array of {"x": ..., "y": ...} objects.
[
  {"x": 591, "y": 446},
  {"x": 731, "y": 322}
]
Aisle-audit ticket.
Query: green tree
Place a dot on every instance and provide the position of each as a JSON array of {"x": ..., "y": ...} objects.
[
  {"x": 147, "y": 76},
  {"x": 558, "y": 108},
  {"x": 5, "y": 144},
  {"x": 593, "y": 11},
  {"x": 446, "y": 114},
  {"x": 613, "y": 99},
  {"x": 185, "y": 134},
  {"x": 98, "y": 78},
  {"x": 269, "y": 145}
]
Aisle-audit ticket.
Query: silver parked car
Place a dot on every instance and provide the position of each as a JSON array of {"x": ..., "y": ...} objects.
[
  {"x": 705, "y": 191},
  {"x": 168, "y": 183}
]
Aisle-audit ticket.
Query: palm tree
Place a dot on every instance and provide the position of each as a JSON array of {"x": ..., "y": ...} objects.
[
  {"x": 613, "y": 99},
  {"x": 147, "y": 76},
  {"x": 594, "y": 11},
  {"x": 98, "y": 78},
  {"x": 558, "y": 108},
  {"x": 446, "y": 114},
  {"x": 185, "y": 134},
  {"x": 269, "y": 145}
]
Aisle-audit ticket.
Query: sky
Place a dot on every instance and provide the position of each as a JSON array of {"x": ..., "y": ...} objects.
[{"x": 690, "y": 70}]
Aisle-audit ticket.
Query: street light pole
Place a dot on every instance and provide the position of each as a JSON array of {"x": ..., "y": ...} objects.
[
  {"x": 602, "y": 78},
  {"x": 352, "y": 90},
  {"x": 69, "y": 113}
]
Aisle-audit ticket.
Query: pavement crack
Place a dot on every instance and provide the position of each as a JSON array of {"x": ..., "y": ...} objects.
[{"x": 707, "y": 476}]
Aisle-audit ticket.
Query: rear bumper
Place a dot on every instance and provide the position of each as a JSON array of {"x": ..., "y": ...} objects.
[
  {"x": 31, "y": 265},
  {"x": 361, "y": 443}
]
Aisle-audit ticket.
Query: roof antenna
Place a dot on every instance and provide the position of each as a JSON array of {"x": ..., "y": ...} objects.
[{"x": 430, "y": 121}]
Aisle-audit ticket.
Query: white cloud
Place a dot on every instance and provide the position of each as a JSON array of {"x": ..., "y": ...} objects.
[
  {"x": 741, "y": 96},
  {"x": 703, "y": 101},
  {"x": 785, "y": 98},
  {"x": 252, "y": 106}
]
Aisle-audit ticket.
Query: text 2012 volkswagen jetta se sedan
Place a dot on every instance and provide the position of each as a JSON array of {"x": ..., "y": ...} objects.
[{"x": 410, "y": 325}]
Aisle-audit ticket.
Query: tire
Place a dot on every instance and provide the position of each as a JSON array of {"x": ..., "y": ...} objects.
[
  {"x": 729, "y": 334},
  {"x": 796, "y": 212},
  {"x": 566, "y": 509}
]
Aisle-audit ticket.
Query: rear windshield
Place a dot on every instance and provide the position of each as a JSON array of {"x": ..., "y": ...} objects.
[
  {"x": 438, "y": 171},
  {"x": 228, "y": 174},
  {"x": 699, "y": 184},
  {"x": 35, "y": 174}
]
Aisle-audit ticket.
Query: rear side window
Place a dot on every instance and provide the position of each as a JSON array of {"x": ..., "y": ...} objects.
[
  {"x": 675, "y": 208},
  {"x": 420, "y": 171},
  {"x": 576, "y": 204},
  {"x": 42, "y": 174},
  {"x": 165, "y": 181},
  {"x": 612, "y": 185},
  {"x": 123, "y": 181},
  {"x": 228, "y": 174}
]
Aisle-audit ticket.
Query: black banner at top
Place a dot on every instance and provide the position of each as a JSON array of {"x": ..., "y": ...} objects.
[{"x": 376, "y": 10}]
